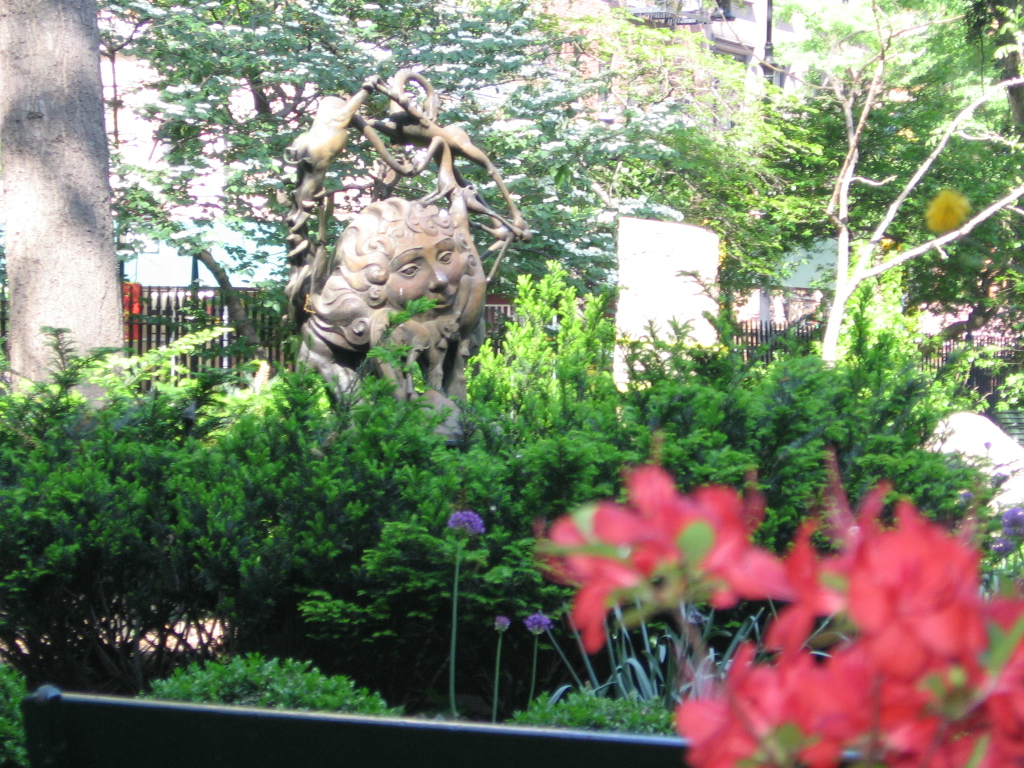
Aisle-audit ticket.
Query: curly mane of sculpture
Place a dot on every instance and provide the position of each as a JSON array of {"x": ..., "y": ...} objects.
[{"x": 393, "y": 252}]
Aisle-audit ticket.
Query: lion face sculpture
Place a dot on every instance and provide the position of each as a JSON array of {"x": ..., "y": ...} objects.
[{"x": 393, "y": 252}]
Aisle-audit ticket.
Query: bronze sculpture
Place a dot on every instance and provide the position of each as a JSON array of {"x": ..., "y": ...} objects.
[{"x": 395, "y": 250}]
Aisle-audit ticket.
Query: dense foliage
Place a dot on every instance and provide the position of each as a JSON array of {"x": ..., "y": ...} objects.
[
  {"x": 12, "y": 731},
  {"x": 586, "y": 710},
  {"x": 901, "y": 99},
  {"x": 189, "y": 519},
  {"x": 627, "y": 120},
  {"x": 250, "y": 680}
]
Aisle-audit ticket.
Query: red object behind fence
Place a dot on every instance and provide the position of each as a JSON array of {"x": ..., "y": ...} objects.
[{"x": 131, "y": 301}]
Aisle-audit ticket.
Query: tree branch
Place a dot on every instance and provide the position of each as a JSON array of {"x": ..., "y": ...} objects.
[
  {"x": 854, "y": 132},
  {"x": 890, "y": 214},
  {"x": 863, "y": 274},
  {"x": 872, "y": 182},
  {"x": 236, "y": 310}
]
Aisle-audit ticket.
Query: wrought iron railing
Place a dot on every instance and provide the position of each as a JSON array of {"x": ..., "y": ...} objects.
[{"x": 158, "y": 315}]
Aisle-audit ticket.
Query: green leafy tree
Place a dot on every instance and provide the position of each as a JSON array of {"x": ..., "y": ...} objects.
[
  {"x": 627, "y": 120},
  {"x": 908, "y": 125},
  {"x": 237, "y": 81},
  {"x": 996, "y": 24}
]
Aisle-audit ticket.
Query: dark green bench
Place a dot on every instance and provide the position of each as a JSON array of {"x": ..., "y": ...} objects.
[{"x": 67, "y": 730}]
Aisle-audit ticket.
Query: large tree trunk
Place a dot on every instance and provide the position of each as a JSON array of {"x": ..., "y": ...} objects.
[{"x": 61, "y": 262}]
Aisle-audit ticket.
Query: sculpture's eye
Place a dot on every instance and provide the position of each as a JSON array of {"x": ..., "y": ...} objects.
[
  {"x": 409, "y": 270},
  {"x": 445, "y": 257}
]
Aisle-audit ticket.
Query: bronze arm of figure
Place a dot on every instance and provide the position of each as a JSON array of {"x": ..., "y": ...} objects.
[
  {"x": 413, "y": 126},
  {"x": 312, "y": 153}
]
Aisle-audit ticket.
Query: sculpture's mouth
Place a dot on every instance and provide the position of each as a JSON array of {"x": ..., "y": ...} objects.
[{"x": 444, "y": 301}]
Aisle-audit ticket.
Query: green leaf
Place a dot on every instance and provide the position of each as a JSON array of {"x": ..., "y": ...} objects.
[
  {"x": 1002, "y": 645},
  {"x": 696, "y": 540}
]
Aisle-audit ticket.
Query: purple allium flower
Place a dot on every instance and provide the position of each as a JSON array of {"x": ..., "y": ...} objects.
[
  {"x": 966, "y": 497},
  {"x": 467, "y": 521},
  {"x": 1013, "y": 523},
  {"x": 501, "y": 623},
  {"x": 1002, "y": 546},
  {"x": 537, "y": 623}
]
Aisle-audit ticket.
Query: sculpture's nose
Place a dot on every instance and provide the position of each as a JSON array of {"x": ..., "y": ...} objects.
[{"x": 439, "y": 280}]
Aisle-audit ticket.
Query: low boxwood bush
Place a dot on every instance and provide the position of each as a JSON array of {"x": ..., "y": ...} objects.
[
  {"x": 254, "y": 681},
  {"x": 588, "y": 711},
  {"x": 12, "y": 728}
]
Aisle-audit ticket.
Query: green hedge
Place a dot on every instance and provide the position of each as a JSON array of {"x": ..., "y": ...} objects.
[
  {"x": 585, "y": 710},
  {"x": 12, "y": 728},
  {"x": 189, "y": 520},
  {"x": 253, "y": 681}
]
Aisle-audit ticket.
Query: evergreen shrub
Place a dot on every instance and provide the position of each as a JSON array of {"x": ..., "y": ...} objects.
[
  {"x": 12, "y": 728},
  {"x": 253, "y": 681},
  {"x": 588, "y": 711},
  {"x": 187, "y": 520}
]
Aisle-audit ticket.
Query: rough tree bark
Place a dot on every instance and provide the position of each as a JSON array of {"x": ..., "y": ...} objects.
[{"x": 61, "y": 261}]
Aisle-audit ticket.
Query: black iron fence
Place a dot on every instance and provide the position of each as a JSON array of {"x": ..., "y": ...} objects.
[
  {"x": 158, "y": 315},
  {"x": 763, "y": 340},
  {"x": 986, "y": 375},
  {"x": 155, "y": 316}
]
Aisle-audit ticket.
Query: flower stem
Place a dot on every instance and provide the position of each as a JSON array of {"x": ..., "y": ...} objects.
[
  {"x": 586, "y": 657},
  {"x": 497, "y": 672},
  {"x": 455, "y": 615},
  {"x": 565, "y": 660},
  {"x": 533, "y": 673}
]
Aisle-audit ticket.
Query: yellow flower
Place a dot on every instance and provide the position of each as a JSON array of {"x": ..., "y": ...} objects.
[{"x": 947, "y": 211}]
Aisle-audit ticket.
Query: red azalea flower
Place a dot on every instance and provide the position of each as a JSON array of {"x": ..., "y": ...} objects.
[
  {"x": 1004, "y": 706},
  {"x": 720, "y": 735},
  {"x": 797, "y": 712},
  {"x": 812, "y": 597},
  {"x": 743, "y": 570},
  {"x": 594, "y": 599},
  {"x": 913, "y": 594},
  {"x": 610, "y": 549},
  {"x": 651, "y": 543},
  {"x": 910, "y": 689}
]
